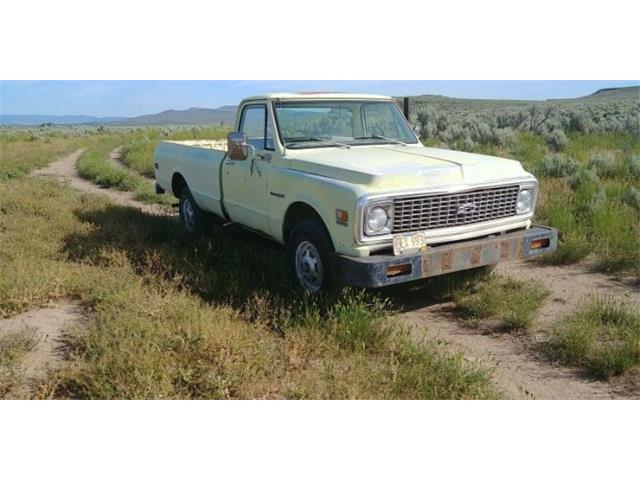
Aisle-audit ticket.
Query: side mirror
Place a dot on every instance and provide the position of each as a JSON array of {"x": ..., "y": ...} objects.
[{"x": 237, "y": 146}]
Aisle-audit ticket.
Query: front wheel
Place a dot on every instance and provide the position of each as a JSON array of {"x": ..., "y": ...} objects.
[
  {"x": 309, "y": 253},
  {"x": 195, "y": 221}
]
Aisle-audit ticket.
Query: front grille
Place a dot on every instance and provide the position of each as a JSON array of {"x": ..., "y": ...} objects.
[{"x": 428, "y": 212}]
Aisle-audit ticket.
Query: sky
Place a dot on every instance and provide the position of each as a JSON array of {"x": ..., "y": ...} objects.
[{"x": 131, "y": 98}]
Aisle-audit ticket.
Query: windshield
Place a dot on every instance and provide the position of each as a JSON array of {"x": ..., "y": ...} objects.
[{"x": 312, "y": 124}]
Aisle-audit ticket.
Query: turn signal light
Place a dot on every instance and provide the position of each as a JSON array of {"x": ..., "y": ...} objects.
[
  {"x": 342, "y": 216},
  {"x": 540, "y": 243},
  {"x": 397, "y": 270}
]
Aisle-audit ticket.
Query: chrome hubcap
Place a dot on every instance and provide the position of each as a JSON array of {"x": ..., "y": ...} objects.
[
  {"x": 309, "y": 267},
  {"x": 188, "y": 215}
]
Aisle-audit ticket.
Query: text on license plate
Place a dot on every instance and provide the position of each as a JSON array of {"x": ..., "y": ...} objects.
[{"x": 409, "y": 243}]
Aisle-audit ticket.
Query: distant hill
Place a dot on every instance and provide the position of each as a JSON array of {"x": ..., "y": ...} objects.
[
  {"x": 192, "y": 116},
  {"x": 606, "y": 95},
  {"x": 55, "y": 119},
  {"x": 613, "y": 94}
]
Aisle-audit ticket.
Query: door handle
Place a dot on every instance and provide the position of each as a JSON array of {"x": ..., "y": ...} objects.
[
  {"x": 265, "y": 157},
  {"x": 229, "y": 162}
]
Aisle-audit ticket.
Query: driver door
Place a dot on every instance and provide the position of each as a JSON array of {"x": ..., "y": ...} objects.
[{"x": 244, "y": 182}]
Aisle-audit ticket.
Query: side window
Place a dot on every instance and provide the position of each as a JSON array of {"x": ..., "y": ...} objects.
[
  {"x": 257, "y": 127},
  {"x": 253, "y": 125},
  {"x": 269, "y": 139}
]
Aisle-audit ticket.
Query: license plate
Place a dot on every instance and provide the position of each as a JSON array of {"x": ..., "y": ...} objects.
[{"x": 405, "y": 244}]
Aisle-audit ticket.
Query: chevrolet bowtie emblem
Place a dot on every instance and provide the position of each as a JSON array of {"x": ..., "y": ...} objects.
[{"x": 466, "y": 208}]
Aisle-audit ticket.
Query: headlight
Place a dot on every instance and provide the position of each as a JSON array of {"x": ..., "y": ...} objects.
[
  {"x": 378, "y": 219},
  {"x": 525, "y": 201}
]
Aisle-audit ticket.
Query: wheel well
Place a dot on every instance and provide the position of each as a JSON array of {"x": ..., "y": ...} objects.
[
  {"x": 296, "y": 213},
  {"x": 177, "y": 183}
]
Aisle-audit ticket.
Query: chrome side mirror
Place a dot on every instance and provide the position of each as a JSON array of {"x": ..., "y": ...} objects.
[{"x": 237, "y": 146}]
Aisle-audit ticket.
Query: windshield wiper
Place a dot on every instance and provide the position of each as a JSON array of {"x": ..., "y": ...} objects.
[
  {"x": 380, "y": 137},
  {"x": 318, "y": 140}
]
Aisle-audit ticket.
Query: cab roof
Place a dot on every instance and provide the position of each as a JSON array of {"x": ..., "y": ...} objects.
[{"x": 317, "y": 96}]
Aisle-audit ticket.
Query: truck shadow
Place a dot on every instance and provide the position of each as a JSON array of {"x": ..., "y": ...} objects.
[
  {"x": 229, "y": 266},
  {"x": 232, "y": 266},
  {"x": 427, "y": 292}
]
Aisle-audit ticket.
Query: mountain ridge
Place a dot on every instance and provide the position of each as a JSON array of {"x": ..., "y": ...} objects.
[{"x": 226, "y": 113}]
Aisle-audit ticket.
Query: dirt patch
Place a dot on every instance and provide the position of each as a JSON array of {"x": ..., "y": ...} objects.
[
  {"x": 521, "y": 370},
  {"x": 569, "y": 286},
  {"x": 115, "y": 158},
  {"x": 65, "y": 170},
  {"x": 49, "y": 326}
]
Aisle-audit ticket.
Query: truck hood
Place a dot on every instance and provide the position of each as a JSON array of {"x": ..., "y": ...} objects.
[{"x": 396, "y": 167}]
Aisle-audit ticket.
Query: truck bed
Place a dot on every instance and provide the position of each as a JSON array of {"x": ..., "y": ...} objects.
[
  {"x": 210, "y": 144},
  {"x": 198, "y": 162}
]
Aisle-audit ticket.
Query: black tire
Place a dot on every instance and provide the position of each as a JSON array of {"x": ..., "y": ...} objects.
[
  {"x": 311, "y": 236},
  {"x": 195, "y": 221}
]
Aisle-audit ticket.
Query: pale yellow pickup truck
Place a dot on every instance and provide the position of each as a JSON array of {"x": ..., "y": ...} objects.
[{"x": 344, "y": 182}]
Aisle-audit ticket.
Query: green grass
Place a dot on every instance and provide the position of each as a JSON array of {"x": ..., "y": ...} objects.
[
  {"x": 603, "y": 336},
  {"x": 512, "y": 302},
  {"x": 21, "y": 154},
  {"x": 590, "y": 193},
  {"x": 93, "y": 165},
  {"x": 138, "y": 153},
  {"x": 138, "y": 150},
  {"x": 216, "y": 318}
]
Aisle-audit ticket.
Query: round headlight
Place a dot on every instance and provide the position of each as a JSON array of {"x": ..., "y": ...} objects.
[
  {"x": 377, "y": 219},
  {"x": 525, "y": 201}
]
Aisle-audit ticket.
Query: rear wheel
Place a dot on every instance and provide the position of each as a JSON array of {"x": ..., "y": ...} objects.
[
  {"x": 309, "y": 253},
  {"x": 195, "y": 221}
]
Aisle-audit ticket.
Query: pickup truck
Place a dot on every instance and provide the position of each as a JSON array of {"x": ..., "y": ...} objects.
[{"x": 343, "y": 181}]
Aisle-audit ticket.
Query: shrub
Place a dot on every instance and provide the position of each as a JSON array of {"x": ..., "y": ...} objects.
[
  {"x": 557, "y": 140},
  {"x": 584, "y": 178},
  {"x": 633, "y": 166},
  {"x": 632, "y": 198},
  {"x": 604, "y": 163},
  {"x": 579, "y": 122},
  {"x": 557, "y": 166}
]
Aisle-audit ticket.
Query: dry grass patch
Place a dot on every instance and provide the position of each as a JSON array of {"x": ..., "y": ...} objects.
[{"x": 13, "y": 347}]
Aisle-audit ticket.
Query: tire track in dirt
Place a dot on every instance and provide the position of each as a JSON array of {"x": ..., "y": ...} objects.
[
  {"x": 520, "y": 369},
  {"x": 66, "y": 171},
  {"x": 115, "y": 159},
  {"x": 49, "y": 326}
]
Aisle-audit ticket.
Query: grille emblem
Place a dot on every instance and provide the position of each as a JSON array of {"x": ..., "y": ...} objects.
[{"x": 466, "y": 208}]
